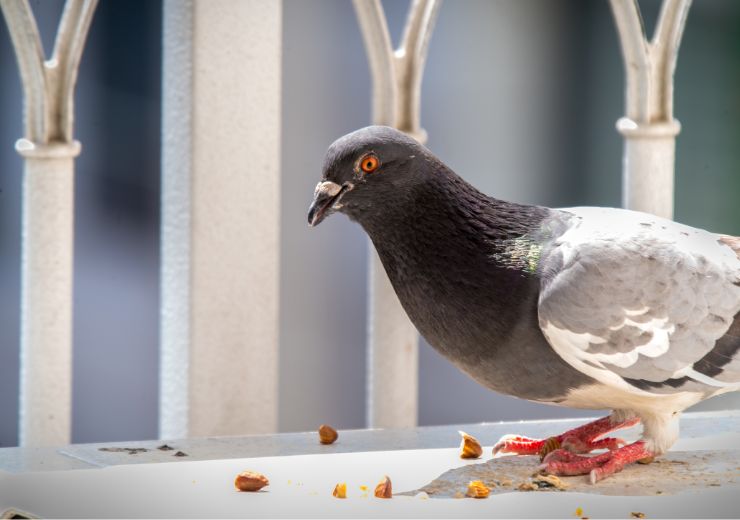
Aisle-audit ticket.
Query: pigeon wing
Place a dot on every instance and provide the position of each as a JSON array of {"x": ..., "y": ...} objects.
[{"x": 643, "y": 303}]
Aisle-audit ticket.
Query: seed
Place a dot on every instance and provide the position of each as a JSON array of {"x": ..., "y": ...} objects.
[
  {"x": 250, "y": 481},
  {"x": 327, "y": 434},
  {"x": 470, "y": 448},
  {"x": 384, "y": 489}
]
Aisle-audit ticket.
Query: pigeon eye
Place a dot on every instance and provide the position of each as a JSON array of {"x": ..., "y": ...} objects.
[{"x": 369, "y": 163}]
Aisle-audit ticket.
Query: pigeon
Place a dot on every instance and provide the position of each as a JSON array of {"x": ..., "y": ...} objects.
[{"x": 584, "y": 307}]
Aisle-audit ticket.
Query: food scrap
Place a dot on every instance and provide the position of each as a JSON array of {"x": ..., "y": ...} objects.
[
  {"x": 165, "y": 447},
  {"x": 470, "y": 448},
  {"x": 250, "y": 481},
  {"x": 579, "y": 511},
  {"x": 327, "y": 434},
  {"x": 549, "y": 481},
  {"x": 180, "y": 454},
  {"x": 528, "y": 486},
  {"x": 340, "y": 490},
  {"x": 637, "y": 514},
  {"x": 477, "y": 489},
  {"x": 384, "y": 489}
]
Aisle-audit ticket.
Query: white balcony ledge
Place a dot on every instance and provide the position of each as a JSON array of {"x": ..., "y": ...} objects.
[{"x": 83, "y": 481}]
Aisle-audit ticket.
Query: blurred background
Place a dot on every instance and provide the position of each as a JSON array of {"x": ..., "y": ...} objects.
[{"x": 520, "y": 98}]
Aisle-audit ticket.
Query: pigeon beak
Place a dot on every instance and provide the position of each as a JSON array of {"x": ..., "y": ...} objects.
[{"x": 327, "y": 194}]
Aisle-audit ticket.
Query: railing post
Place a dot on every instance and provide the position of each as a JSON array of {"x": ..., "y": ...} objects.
[
  {"x": 220, "y": 217},
  {"x": 393, "y": 343},
  {"x": 649, "y": 128},
  {"x": 48, "y": 149}
]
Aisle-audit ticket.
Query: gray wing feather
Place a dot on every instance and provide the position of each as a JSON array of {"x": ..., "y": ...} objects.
[{"x": 644, "y": 300}]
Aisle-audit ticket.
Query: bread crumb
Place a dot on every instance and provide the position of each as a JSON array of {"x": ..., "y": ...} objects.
[
  {"x": 550, "y": 481},
  {"x": 340, "y": 490},
  {"x": 477, "y": 489},
  {"x": 527, "y": 486}
]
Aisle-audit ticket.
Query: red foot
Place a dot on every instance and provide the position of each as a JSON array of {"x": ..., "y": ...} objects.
[
  {"x": 577, "y": 440},
  {"x": 562, "y": 462}
]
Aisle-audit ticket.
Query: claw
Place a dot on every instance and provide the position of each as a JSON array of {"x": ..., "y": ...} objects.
[{"x": 516, "y": 444}]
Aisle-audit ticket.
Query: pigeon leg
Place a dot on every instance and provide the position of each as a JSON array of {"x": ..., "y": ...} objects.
[
  {"x": 577, "y": 440},
  {"x": 600, "y": 466}
]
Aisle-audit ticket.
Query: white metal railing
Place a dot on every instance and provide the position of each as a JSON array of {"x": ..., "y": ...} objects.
[
  {"x": 220, "y": 241},
  {"x": 48, "y": 150},
  {"x": 393, "y": 342},
  {"x": 648, "y": 128}
]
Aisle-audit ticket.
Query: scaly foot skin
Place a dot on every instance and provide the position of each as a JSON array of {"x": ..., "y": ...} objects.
[
  {"x": 577, "y": 440},
  {"x": 562, "y": 462},
  {"x": 519, "y": 445}
]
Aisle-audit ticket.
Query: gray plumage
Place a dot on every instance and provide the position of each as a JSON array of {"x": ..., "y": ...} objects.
[
  {"x": 584, "y": 307},
  {"x": 644, "y": 299}
]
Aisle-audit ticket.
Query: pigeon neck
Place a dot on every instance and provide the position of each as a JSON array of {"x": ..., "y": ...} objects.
[
  {"x": 464, "y": 267},
  {"x": 448, "y": 211}
]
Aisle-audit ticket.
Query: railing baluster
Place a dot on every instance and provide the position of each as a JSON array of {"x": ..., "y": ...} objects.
[
  {"x": 220, "y": 217},
  {"x": 649, "y": 128},
  {"x": 393, "y": 352},
  {"x": 48, "y": 149}
]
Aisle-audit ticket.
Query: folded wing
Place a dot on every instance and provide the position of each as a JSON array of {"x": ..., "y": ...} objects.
[{"x": 642, "y": 303}]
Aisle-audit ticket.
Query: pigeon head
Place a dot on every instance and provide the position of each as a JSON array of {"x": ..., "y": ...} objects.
[{"x": 366, "y": 172}]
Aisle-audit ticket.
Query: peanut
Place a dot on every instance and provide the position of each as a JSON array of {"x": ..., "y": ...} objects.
[
  {"x": 327, "y": 434},
  {"x": 250, "y": 481},
  {"x": 470, "y": 448},
  {"x": 384, "y": 489}
]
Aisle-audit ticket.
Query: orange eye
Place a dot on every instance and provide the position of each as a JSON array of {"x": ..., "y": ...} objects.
[{"x": 369, "y": 163}]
